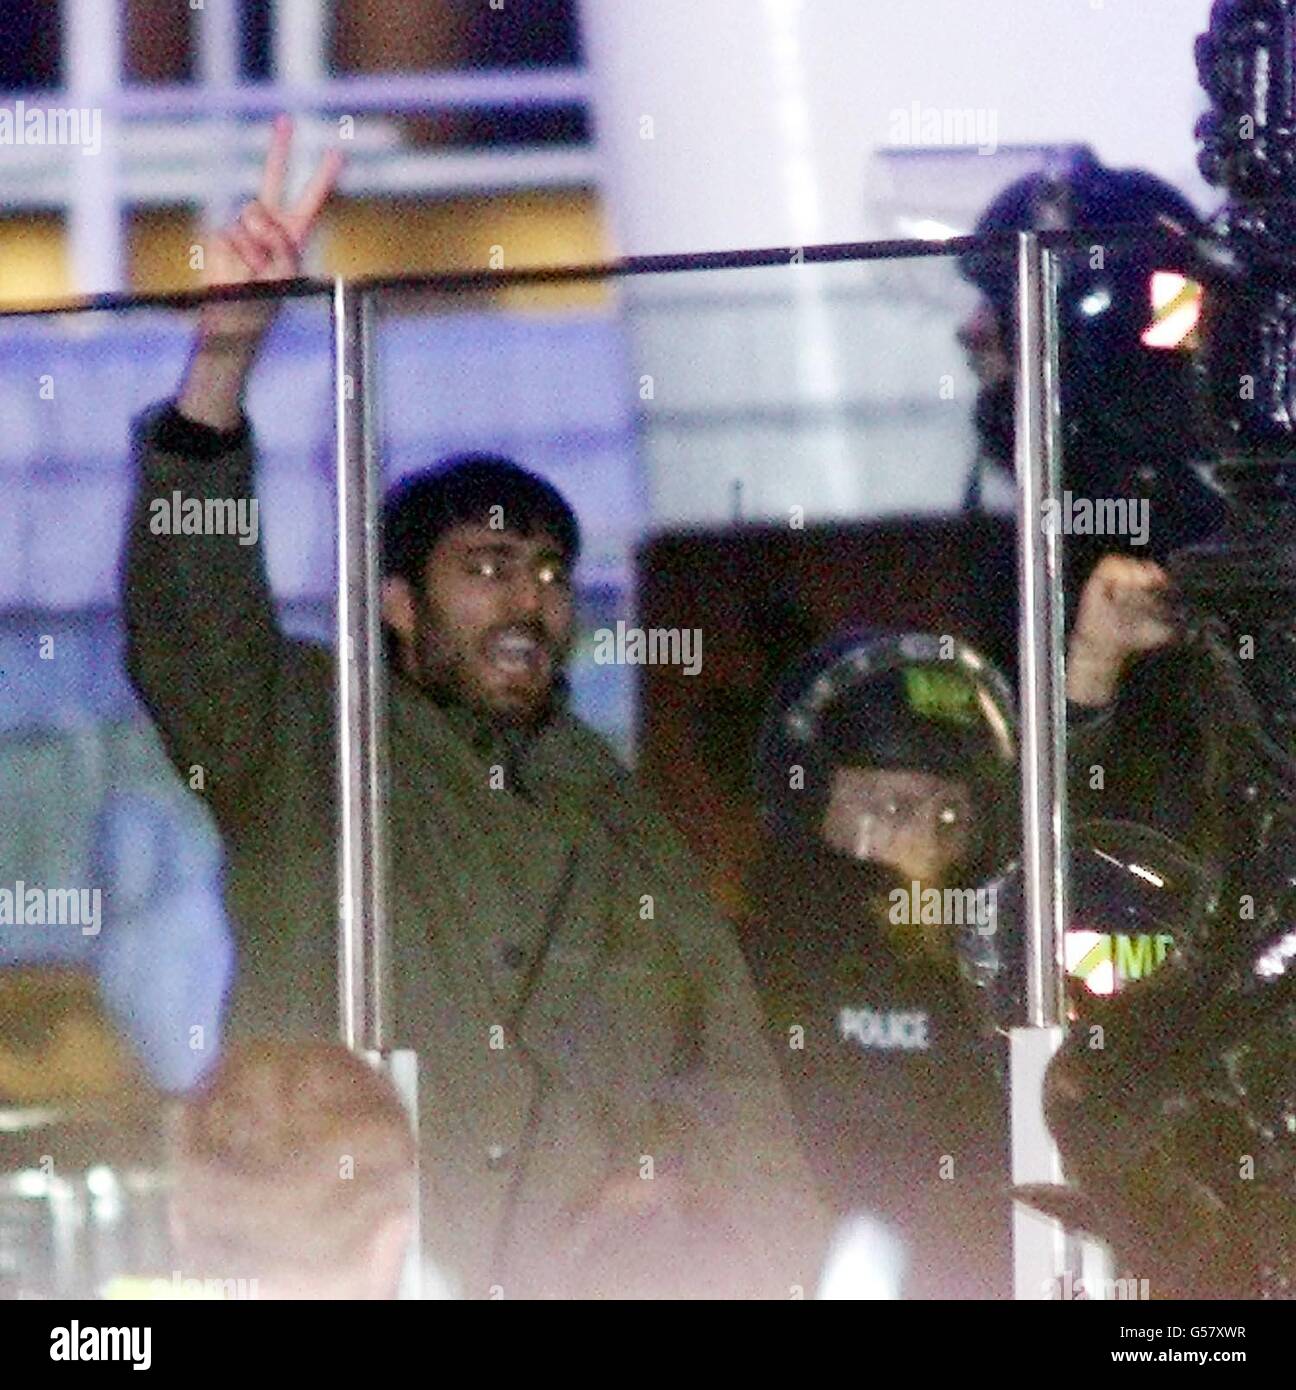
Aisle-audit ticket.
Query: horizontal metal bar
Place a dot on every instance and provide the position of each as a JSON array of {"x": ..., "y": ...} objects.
[
  {"x": 498, "y": 88},
  {"x": 458, "y": 282}
]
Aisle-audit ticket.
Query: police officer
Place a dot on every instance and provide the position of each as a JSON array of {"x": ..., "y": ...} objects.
[
  {"x": 887, "y": 787},
  {"x": 1131, "y": 434}
]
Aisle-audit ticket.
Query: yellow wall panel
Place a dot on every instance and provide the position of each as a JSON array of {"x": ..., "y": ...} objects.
[
  {"x": 370, "y": 237},
  {"x": 159, "y": 242},
  {"x": 33, "y": 258}
]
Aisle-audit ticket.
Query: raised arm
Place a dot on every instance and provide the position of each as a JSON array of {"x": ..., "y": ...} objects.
[
  {"x": 203, "y": 650},
  {"x": 263, "y": 245},
  {"x": 1123, "y": 613},
  {"x": 1122, "y": 619}
]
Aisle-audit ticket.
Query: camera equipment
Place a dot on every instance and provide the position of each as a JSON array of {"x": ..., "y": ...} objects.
[{"x": 1197, "y": 1063}]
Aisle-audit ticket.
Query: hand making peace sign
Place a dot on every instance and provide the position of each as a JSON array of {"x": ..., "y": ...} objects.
[{"x": 265, "y": 243}]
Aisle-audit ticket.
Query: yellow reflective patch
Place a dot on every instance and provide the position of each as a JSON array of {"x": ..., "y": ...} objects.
[{"x": 1130, "y": 957}]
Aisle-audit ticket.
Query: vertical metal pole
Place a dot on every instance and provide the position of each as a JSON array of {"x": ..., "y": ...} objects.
[
  {"x": 363, "y": 985},
  {"x": 1041, "y": 1254},
  {"x": 364, "y": 974},
  {"x": 1041, "y": 635}
]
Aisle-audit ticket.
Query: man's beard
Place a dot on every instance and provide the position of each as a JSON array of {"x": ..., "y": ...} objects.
[{"x": 445, "y": 675}]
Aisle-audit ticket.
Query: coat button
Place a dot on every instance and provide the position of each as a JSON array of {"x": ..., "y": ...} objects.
[{"x": 497, "y": 1158}]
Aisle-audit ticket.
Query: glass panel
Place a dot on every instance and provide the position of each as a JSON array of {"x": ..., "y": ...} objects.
[
  {"x": 1175, "y": 939},
  {"x": 116, "y": 946},
  {"x": 742, "y": 450},
  {"x": 792, "y": 623},
  {"x": 1133, "y": 498}
]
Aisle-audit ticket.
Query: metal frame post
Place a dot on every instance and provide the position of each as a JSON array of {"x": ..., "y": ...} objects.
[
  {"x": 363, "y": 963},
  {"x": 1041, "y": 1252},
  {"x": 1041, "y": 634}
]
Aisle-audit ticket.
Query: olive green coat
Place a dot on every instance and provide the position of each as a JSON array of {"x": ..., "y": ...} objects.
[{"x": 579, "y": 1010}]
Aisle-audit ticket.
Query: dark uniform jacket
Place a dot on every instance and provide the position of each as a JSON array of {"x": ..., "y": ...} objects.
[
  {"x": 579, "y": 1010},
  {"x": 1146, "y": 758},
  {"x": 894, "y": 1083}
]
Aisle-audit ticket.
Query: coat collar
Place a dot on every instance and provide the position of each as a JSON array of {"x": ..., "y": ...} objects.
[{"x": 487, "y": 737}]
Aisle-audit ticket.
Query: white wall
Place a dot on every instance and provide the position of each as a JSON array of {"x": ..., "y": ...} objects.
[
  {"x": 755, "y": 123},
  {"x": 765, "y": 113}
]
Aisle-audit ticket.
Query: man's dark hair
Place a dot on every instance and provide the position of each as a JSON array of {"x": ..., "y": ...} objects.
[{"x": 462, "y": 490}]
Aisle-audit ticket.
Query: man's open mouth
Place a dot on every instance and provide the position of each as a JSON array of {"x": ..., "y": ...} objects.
[{"x": 517, "y": 653}]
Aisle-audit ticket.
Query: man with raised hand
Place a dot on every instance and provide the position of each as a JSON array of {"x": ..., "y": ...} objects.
[{"x": 600, "y": 1114}]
